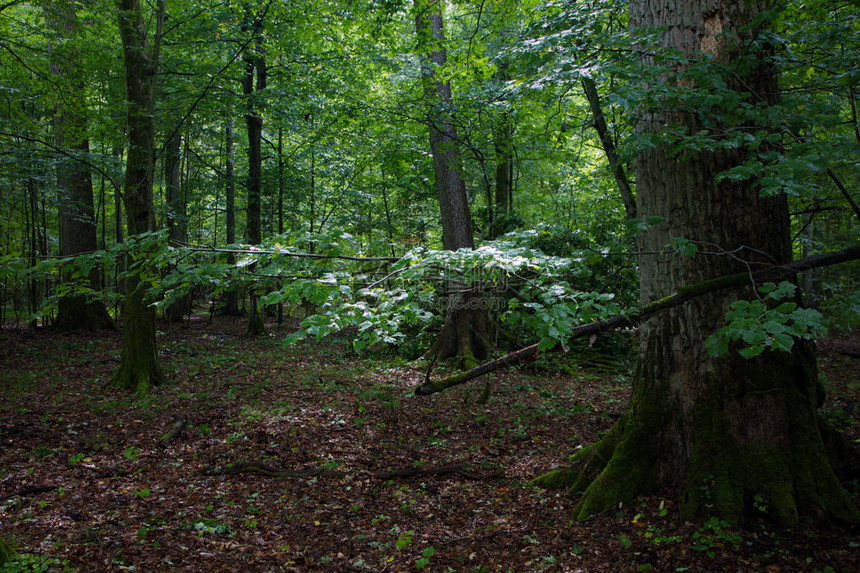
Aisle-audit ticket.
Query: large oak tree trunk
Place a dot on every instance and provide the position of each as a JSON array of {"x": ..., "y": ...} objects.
[
  {"x": 725, "y": 431},
  {"x": 74, "y": 180},
  {"x": 139, "y": 368}
]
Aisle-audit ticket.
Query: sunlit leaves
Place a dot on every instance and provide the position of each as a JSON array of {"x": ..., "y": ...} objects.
[{"x": 762, "y": 324}]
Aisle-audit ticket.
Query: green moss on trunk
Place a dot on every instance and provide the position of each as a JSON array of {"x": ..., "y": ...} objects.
[
  {"x": 139, "y": 369},
  {"x": 749, "y": 443}
]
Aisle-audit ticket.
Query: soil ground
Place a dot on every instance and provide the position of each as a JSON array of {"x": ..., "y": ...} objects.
[{"x": 86, "y": 486}]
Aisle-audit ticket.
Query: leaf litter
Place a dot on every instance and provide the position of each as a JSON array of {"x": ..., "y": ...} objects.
[{"x": 86, "y": 479}]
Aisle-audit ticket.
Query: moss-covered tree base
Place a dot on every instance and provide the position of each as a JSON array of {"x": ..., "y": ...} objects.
[
  {"x": 139, "y": 369},
  {"x": 465, "y": 333},
  {"x": 138, "y": 376},
  {"x": 748, "y": 445}
]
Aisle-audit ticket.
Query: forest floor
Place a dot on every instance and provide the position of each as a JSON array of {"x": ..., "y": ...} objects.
[{"x": 85, "y": 484}]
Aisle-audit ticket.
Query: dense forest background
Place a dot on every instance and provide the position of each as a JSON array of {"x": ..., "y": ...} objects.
[
  {"x": 447, "y": 189},
  {"x": 542, "y": 104}
]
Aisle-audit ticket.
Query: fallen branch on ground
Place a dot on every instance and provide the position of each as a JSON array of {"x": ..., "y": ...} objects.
[
  {"x": 175, "y": 431},
  {"x": 683, "y": 295},
  {"x": 267, "y": 470},
  {"x": 29, "y": 490}
]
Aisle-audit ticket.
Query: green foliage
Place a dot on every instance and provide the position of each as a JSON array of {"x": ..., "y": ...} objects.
[
  {"x": 29, "y": 563},
  {"x": 528, "y": 292},
  {"x": 403, "y": 540},
  {"x": 714, "y": 533},
  {"x": 424, "y": 560},
  {"x": 761, "y": 324}
]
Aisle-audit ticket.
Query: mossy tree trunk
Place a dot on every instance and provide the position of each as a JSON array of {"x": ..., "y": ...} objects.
[
  {"x": 74, "y": 181},
  {"x": 139, "y": 368},
  {"x": 464, "y": 332},
  {"x": 724, "y": 431}
]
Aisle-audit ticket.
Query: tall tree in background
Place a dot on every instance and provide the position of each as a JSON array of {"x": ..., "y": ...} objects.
[
  {"x": 255, "y": 67},
  {"x": 444, "y": 142},
  {"x": 139, "y": 368},
  {"x": 464, "y": 334},
  {"x": 177, "y": 218},
  {"x": 74, "y": 180},
  {"x": 726, "y": 430},
  {"x": 231, "y": 297}
]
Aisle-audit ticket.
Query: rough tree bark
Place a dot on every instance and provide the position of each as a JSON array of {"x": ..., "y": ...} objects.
[
  {"x": 464, "y": 334},
  {"x": 139, "y": 368},
  {"x": 74, "y": 180},
  {"x": 721, "y": 430},
  {"x": 255, "y": 64}
]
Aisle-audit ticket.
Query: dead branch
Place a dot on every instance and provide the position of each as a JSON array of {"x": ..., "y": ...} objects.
[
  {"x": 681, "y": 296},
  {"x": 29, "y": 490},
  {"x": 440, "y": 471},
  {"x": 175, "y": 431},
  {"x": 267, "y": 470}
]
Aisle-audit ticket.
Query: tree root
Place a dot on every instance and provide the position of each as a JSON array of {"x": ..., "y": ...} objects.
[{"x": 267, "y": 470}]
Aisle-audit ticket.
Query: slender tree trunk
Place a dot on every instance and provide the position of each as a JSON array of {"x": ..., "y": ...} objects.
[
  {"x": 139, "y": 368},
  {"x": 231, "y": 299},
  {"x": 724, "y": 431},
  {"x": 280, "y": 203},
  {"x": 503, "y": 145},
  {"x": 177, "y": 218},
  {"x": 615, "y": 164},
  {"x": 255, "y": 65},
  {"x": 34, "y": 248},
  {"x": 121, "y": 262}
]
